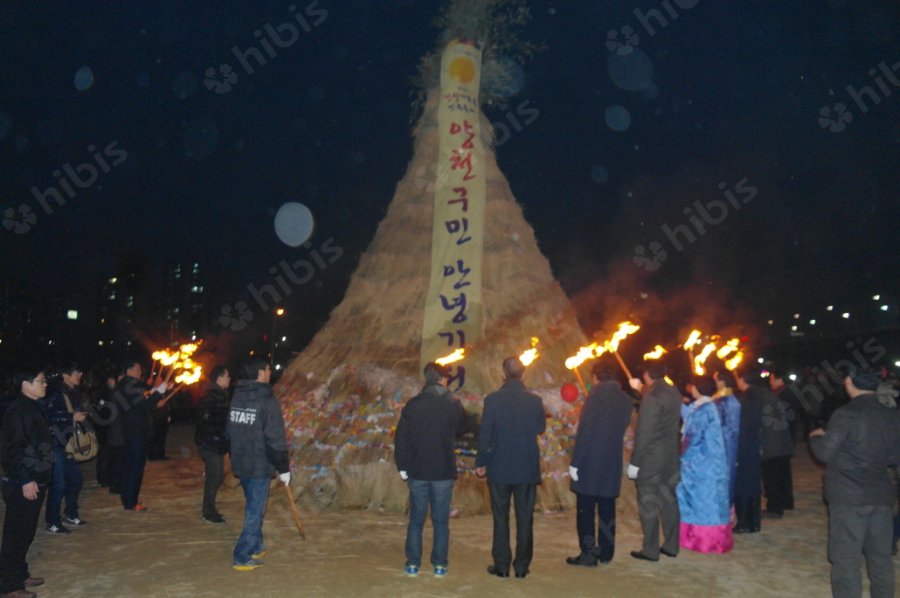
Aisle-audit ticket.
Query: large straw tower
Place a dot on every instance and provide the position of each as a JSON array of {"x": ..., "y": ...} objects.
[{"x": 343, "y": 394}]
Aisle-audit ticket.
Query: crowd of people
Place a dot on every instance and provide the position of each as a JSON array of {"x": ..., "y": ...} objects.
[
  {"x": 702, "y": 462},
  {"x": 39, "y": 462}
]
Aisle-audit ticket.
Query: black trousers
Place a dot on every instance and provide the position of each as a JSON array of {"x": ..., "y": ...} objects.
[
  {"x": 157, "y": 447},
  {"x": 657, "y": 501},
  {"x": 598, "y": 540},
  {"x": 19, "y": 526},
  {"x": 214, "y": 464},
  {"x": 133, "y": 471},
  {"x": 523, "y": 497},
  {"x": 778, "y": 484},
  {"x": 115, "y": 459},
  {"x": 747, "y": 512}
]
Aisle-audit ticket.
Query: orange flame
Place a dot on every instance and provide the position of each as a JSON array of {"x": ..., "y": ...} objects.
[
  {"x": 700, "y": 359},
  {"x": 657, "y": 352},
  {"x": 624, "y": 330},
  {"x": 187, "y": 378},
  {"x": 528, "y": 357},
  {"x": 693, "y": 340},
  {"x": 452, "y": 358},
  {"x": 735, "y": 361},
  {"x": 584, "y": 353},
  {"x": 189, "y": 348},
  {"x": 728, "y": 348}
]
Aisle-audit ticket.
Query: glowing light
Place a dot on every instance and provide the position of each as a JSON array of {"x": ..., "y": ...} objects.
[
  {"x": 528, "y": 357},
  {"x": 700, "y": 359},
  {"x": 760, "y": 360},
  {"x": 812, "y": 322},
  {"x": 846, "y": 315},
  {"x": 657, "y": 352},
  {"x": 884, "y": 308},
  {"x": 693, "y": 340},
  {"x": 876, "y": 297},
  {"x": 771, "y": 322},
  {"x": 793, "y": 377},
  {"x": 72, "y": 314},
  {"x": 793, "y": 329},
  {"x": 728, "y": 348},
  {"x": 830, "y": 308},
  {"x": 796, "y": 316},
  {"x": 624, "y": 330},
  {"x": 452, "y": 358},
  {"x": 279, "y": 311},
  {"x": 584, "y": 353}
]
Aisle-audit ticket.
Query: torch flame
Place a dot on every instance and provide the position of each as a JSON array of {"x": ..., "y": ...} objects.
[
  {"x": 625, "y": 329},
  {"x": 700, "y": 359},
  {"x": 693, "y": 340},
  {"x": 657, "y": 352},
  {"x": 188, "y": 378},
  {"x": 528, "y": 357},
  {"x": 728, "y": 348},
  {"x": 452, "y": 358},
  {"x": 735, "y": 361},
  {"x": 584, "y": 353},
  {"x": 165, "y": 357},
  {"x": 189, "y": 348}
]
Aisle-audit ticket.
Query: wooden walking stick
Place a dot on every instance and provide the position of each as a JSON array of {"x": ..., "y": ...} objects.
[{"x": 295, "y": 512}]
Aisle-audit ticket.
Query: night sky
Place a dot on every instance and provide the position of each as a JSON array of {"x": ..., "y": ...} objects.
[{"x": 735, "y": 99}]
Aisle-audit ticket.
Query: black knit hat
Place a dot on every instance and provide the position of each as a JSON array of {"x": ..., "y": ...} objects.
[{"x": 434, "y": 373}]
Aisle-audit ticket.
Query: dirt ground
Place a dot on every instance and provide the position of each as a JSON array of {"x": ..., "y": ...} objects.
[{"x": 170, "y": 551}]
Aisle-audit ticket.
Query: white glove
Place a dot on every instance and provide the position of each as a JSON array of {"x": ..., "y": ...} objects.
[
  {"x": 285, "y": 477},
  {"x": 632, "y": 472},
  {"x": 161, "y": 389},
  {"x": 635, "y": 384},
  {"x": 573, "y": 473},
  {"x": 404, "y": 476}
]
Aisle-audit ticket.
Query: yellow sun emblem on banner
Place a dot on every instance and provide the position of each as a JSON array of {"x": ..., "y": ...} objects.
[{"x": 462, "y": 69}]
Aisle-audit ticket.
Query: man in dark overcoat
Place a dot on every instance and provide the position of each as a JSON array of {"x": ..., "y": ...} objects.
[
  {"x": 596, "y": 468},
  {"x": 509, "y": 456}
]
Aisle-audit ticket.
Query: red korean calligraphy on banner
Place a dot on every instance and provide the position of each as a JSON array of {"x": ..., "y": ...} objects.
[{"x": 453, "y": 308}]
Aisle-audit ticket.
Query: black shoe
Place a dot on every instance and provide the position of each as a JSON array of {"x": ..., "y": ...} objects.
[
  {"x": 740, "y": 530},
  {"x": 521, "y": 574},
  {"x": 585, "y": 559},
  {"x": 214, "y": 518},
  {"x": 641, "y": 556},
  {"x": 772, "y": 514},
  {"x": 671, "y": 555},
  {"x": 76, "y": 521},
  {"x": 493, "y": 570},
  {"x": 54, "y": 528}
]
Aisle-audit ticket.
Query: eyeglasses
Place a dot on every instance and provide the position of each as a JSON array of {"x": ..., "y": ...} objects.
[{"x": 39, "y": 381}]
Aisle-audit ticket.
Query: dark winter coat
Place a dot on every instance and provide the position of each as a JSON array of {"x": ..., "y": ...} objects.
[
  {"x": 27, "y": 444},
  {"x": 107, "y": 415},
  {"x": 507, "y": 442},
  {"x": 428, "y": 426},
  {"x": 57, "y": 412},
  {"x": 776, "y": 427},
  {"x": 749, "y": 470},
  {"x": 657, "y": 443},
  {"x": 256, "y": 429},
  {"x": 212, "y": 417},
  {"x": 861, "y": 443},
  {"x": 599, "y": 443},
  {"x": 136, "y": 405}
]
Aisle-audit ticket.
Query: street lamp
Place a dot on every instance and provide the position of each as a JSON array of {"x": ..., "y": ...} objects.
[{"x": 279, "y": 312}]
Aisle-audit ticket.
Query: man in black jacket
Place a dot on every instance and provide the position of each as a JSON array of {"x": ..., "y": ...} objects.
[
  {"x": 862, "y": 442},
  {"x": 258, "y": 450},
  {"x": 596, "y": 468},
  {"x": 211, "y": 439},
  {"x": 509, "y": 456},
  {"x": 655, "y": 465},
  {"x": 423, "y": 451},
  {"x": 28, "y": 469},
  {"x": 135, "y": 401}
]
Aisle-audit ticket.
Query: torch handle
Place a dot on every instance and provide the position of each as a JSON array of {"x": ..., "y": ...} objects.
[
  {"x": 622, "y": 363},
  {"x": 295, "y": 512},
  {"x": 580, "y": 380}
]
